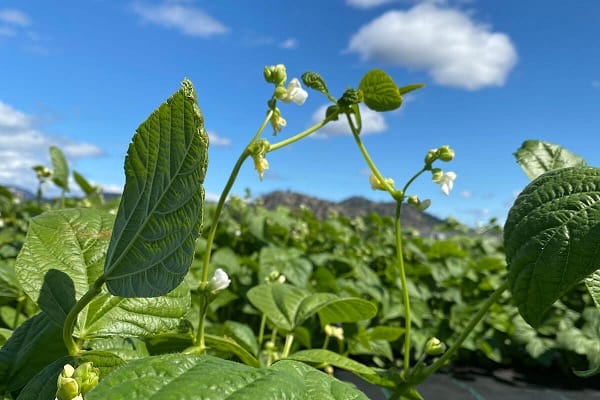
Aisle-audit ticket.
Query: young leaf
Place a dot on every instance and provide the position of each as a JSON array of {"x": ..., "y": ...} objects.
[
  {"x": 380, "y": 92},
  {"x": 60, "y": 173},
  {"x": 160, "y": 214},
  {"x": 537, "y": 157},
  {"x": 551, "y": 237},
  {"x": 85, "y": 186},
  {"x": 63, "y": 256}
]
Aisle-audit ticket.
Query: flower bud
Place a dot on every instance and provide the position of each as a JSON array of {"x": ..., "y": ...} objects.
[
  {"x": 377, "y": 185},
  {"x": 445, "y": 153},
  {"x": 87, "y": 377},
  {"x": 275, "y": 74},
  {"x": 260, "y": 165},
  {"x": 436, "y": 174},
  {"x": 67, "y": 388},
  {"x": 431, "y": 156},
  {"x": 435, "y": 347}
]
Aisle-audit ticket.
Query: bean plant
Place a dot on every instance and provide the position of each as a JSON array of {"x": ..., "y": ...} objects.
[{"x": 121, "y": 304}]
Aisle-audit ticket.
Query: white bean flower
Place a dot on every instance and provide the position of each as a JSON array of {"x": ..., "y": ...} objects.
[
  {"x": 295, "y": 93},
  {"x": 446, "y": 182},
  {"x": 219, "y": 281}
]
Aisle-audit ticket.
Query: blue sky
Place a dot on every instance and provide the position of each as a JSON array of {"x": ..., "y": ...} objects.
[{"x": 84, "y": 75}]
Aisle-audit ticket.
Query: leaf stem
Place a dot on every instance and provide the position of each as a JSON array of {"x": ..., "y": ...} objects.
[
  {"x": 300, "y": 135},
  {"x": 261, "y": 331},
  {"x": 199, "y": 342},
  {"x": 71, "y": 318}
]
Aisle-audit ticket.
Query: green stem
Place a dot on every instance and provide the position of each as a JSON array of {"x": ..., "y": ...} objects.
[
  {"x": 69, "y": 324},
  {"x": 411, "y": 180},
  {"x": 289, "y": 340},
  {"x": 261, "y": 331},
  {"x": 404, "y": 283},
  {"x": 465, "y": 332},
  {"x": 300, "y": 135},
  {"x": 199, "y": 342},
  {"x": 326, "y": 342}
]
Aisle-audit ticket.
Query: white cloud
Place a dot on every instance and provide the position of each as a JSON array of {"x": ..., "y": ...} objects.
[
  {"x": 456, "y": 50},
  {"x": 372, "y": 122},
  {"x": 218, "y": 141},
  {"x": 188, "y": 20},
  {"x": 14, "y": 17},
  {"x": 289, "y": 43},
  {"x": 367, "y": 3},
  {"x": 466, "y": 194},
  {"x": 23, "y": 146}
]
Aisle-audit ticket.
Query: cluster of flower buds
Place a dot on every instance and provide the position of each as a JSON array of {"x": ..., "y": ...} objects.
[
  {"x": 444, "y": 153},
  {"x": 376, "y": 184},
  {"x": 258, "y": 150},
  {"x": 73, "y": 383},
  {"x": 275, "y": 276},
  {"x": 293, "y": 93}
]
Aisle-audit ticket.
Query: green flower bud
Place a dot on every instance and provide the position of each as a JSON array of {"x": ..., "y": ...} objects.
[
  {"x": 275, "y": 74},
  {"x": 280, "y": 92},
  {"x": 87, "y": 376},
  {"x": 68, "y": 388},
  {"x": 436, "y": 174},
  {"x": 431, "y": 156},
  {"x": 446, "y": 153},
  {"x": 413, "y": 200},
  {"x": 434, "y": 347},
  {"x": 349, "y": 98}
]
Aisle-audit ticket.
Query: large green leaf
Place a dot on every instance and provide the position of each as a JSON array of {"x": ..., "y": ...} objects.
[
  {"x": 179, "y": 376},
  {"x": 160, "y": 214},
  {"x": 537, "y": 157},
  {"x": 288, "y": 306},
  {"x": 380, "y": 92},
  {"x": 63, "y": 255},
  {"x": 60, "y": 172},
  {"x": 551, "y": 238},
  {"x": 31, "y": 347}
]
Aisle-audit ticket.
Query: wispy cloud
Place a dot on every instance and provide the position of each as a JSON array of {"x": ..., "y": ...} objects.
[
  {"x": 218, "y": 141},
  {"x": 446, "y": 42},
  {"x": 23, "y": 145},
  {"x": 14, "y": 17},
  {"x": 184, "y": 18},
  {"x": 372, "y": 122},
  {"x": 289, "y": 43}
]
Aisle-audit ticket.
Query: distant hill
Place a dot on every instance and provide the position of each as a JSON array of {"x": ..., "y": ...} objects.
[{"x": 352, "y": 207}]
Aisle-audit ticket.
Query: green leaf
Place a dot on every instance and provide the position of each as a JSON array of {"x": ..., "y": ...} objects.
[
  {"x": 43, "y": 385},
  {"x": 380, "y": 92},
  {"x": 242, "y": 334},
  {"x": 87, "y": 187},
  {"x": 63, "y": 256},
  {"x": 319, "y": 385},
  {"x": 60, "y": 173},
  {"x": 327, "y": 357},
  {"x": 551, "y": 237},
  {"x": 31, "y": 347},
  {"x": 537, "y": 157},
  {"x": 287, "y": 306},
  {"x": 592, "y": 283},
  {"x": 179, "y": 376},
  {"x": 160, "y": 213}
]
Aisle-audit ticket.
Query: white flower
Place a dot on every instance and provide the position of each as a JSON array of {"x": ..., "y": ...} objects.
[
  {"x": 295, "y": 93},
  {"x": 219, "y": 281},
  {"x": 446, "y": 182}
]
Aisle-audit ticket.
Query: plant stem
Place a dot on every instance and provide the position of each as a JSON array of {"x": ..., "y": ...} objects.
[
  {"x": 261, "y": 331},
  {"x": 465, "y": 333},
  {"x": 199, "y": 342},
  {"x": 289, "y": 339},
  {"x": 69, "y": 324},
  {"x": 403, "y": 281}
]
